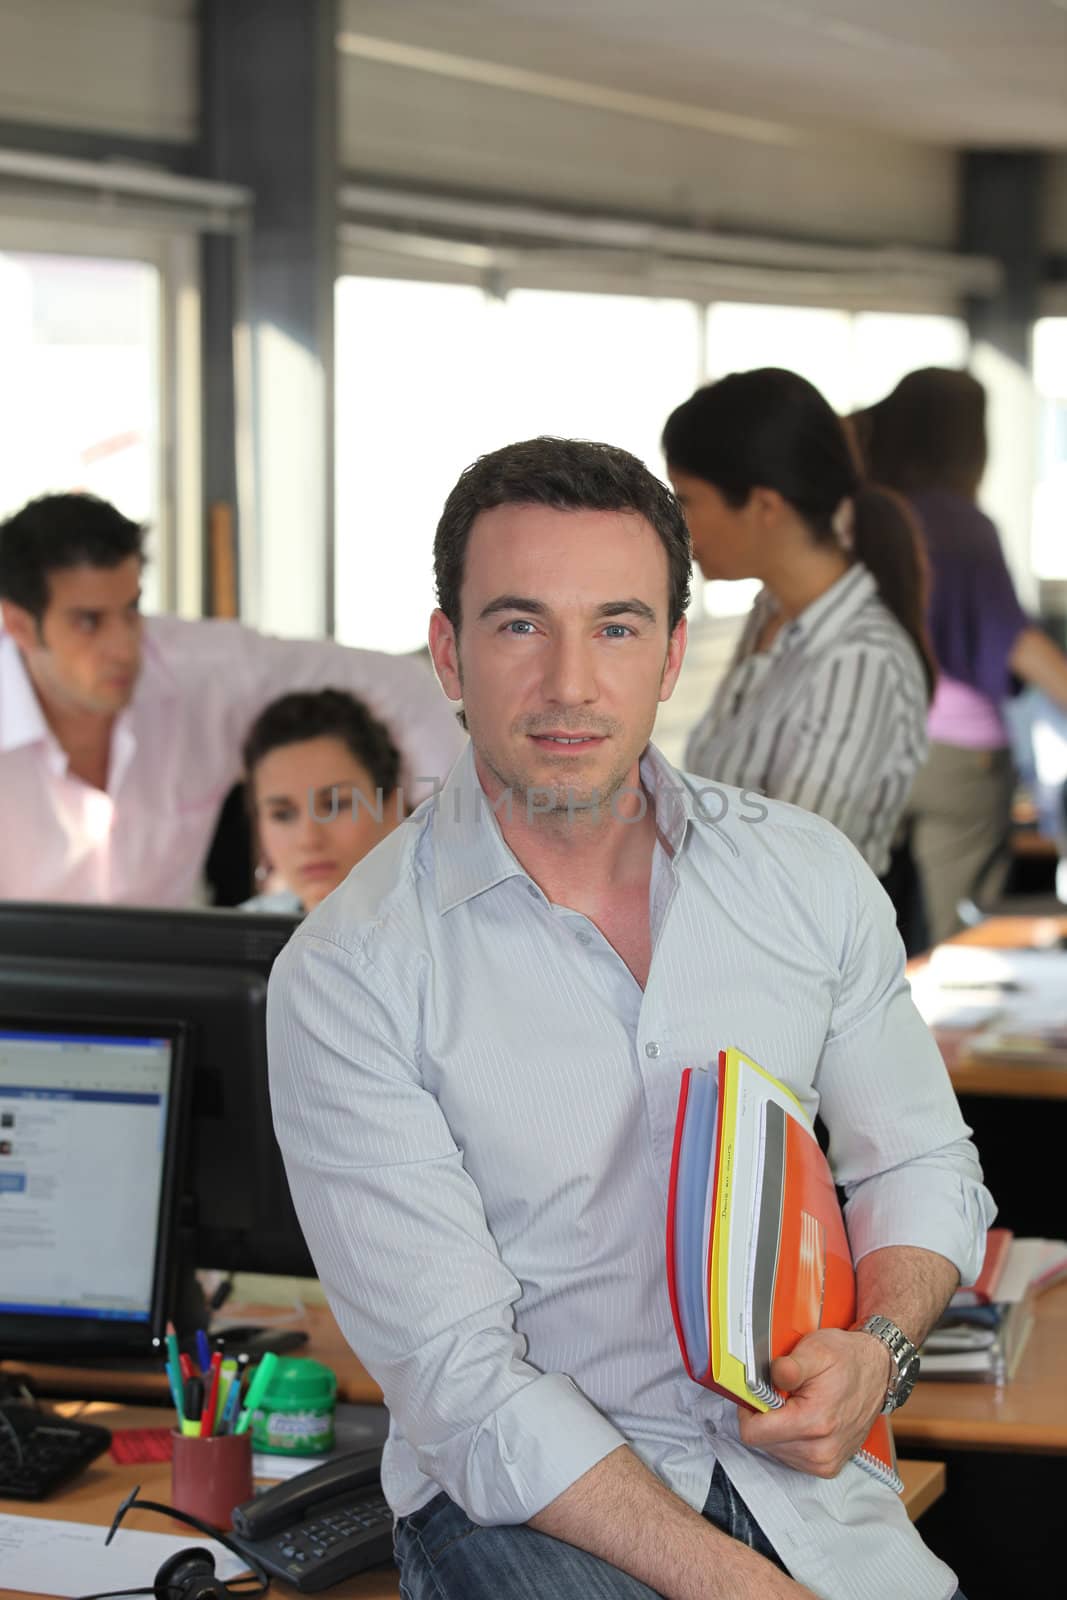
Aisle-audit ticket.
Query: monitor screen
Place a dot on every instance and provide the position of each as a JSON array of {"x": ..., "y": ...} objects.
[
  {"x": 89, "y": 1121},
  {"x": 209, "y": 970}
]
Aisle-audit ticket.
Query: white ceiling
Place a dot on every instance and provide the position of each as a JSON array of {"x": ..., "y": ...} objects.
[{"x": 955, "y": 72}]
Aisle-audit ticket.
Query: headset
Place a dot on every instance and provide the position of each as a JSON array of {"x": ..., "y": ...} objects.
[{"x": 189, "y": 1575}]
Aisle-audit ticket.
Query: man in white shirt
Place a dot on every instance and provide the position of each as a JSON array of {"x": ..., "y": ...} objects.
[
  {"x": 120, "y": 735},
  {"x": 476, "y": 1047}
]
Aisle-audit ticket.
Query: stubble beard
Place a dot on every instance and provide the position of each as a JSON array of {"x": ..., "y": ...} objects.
[{"x": 557, "y": 800}]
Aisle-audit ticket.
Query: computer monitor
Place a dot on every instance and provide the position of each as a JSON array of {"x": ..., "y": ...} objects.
[
  {"x": 91, "y": 1117},
  {"x": 207, "y": 969}
]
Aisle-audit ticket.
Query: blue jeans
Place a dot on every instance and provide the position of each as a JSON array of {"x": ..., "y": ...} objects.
[{"x": 443, "y": 1555}]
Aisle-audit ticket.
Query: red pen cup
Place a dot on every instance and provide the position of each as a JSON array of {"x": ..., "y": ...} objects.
[{"x": 208, "y": 1477}]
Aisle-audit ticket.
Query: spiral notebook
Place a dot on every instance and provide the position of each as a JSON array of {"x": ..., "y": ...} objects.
[{"x": 757, "y": 1253}]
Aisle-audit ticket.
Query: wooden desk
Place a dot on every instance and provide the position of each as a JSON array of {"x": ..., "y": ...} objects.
[
  {"x": 96, "y": 1494},
  {"x": 1008, "y": 1080},
  {"x": 1015, "y": 933},
  {"x": 1020, "y": 1080},
  {"x": 1028, "y": 1414},
  {"x": 924, "y": 1483}
]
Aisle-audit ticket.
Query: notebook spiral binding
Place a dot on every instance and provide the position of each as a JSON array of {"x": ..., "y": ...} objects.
[
  {"x": 766, "y": 1392},
  {"x": 879, "y": 1471}
]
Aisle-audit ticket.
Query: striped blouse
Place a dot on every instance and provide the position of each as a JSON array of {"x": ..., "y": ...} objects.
[{"x": 832, "y": 717}]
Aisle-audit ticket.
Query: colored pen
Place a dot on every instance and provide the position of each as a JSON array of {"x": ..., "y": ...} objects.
[
  {"x": 174, "y": 1371},
  {"x": 227, "y": 1379},
  {"x": 185, "y": 1365},
  {"x": 203, "y": 1351},
  {"x": 207, "y": 1422},
  {"x": 194, "y": 1406},
  {"x": 233, "y": 1400},
  {"x": 264, "y": 1373}
]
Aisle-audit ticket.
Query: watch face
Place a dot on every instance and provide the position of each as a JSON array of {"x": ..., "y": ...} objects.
[{"x": 905, "y": 1383}]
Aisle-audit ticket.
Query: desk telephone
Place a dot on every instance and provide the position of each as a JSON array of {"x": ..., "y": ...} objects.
[{"x": 321, "y": 1526}]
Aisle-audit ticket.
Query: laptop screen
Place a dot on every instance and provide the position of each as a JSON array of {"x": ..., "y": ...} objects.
[{"x": 83, "y": 1142}]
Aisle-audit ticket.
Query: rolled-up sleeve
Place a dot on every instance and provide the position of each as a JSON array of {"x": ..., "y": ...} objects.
[
  {"x": 398, "y": 1233},
  {"x": 898, "y": 1143}
]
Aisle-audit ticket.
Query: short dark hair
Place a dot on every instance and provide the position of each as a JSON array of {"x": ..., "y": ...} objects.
[
  {"x": 58, "y": 531},
  {"x": 326, "y": 714},
  {"x": 567, "y": 475}
]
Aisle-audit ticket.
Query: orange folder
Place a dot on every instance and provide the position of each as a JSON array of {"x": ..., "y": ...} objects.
[{"x": 757, "y": 1252}]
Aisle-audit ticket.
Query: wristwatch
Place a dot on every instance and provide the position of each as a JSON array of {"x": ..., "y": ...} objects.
[{"x": 905, "y": 1359}]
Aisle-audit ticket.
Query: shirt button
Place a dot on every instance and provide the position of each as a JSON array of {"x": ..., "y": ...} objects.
[
  {"x": 583, "y": 937},
  {"x": 652, "y": 1049},
  {"x": 531, "y": 888}
]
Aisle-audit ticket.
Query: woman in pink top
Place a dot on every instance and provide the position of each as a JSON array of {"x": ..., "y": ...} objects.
[{"x": 927, "y": 440}]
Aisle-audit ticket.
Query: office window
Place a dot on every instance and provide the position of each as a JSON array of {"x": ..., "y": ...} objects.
[
  {"x": 430, "y": 376},
  {"x": 79, "y": 404},
  {"x": 809, "y": 340},
  {"x": 1049, "y": 533},
  {"x": 887, "y": 345}
]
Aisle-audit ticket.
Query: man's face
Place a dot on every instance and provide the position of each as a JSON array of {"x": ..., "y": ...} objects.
[
  {"x": 564, "y": 653},
  {"x": 86, "y": 655}
]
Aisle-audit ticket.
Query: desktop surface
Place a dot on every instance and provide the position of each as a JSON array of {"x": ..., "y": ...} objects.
[
  {"x": 94, "y": 1497},
  {"x": 999, "y": 1079},
  {"x": 1027, "y": 1414}
]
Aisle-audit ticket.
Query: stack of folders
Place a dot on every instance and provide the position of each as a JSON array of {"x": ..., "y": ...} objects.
[
  {"x": 757, "y": 1253},
  {"x": 983, "y": 1333}
]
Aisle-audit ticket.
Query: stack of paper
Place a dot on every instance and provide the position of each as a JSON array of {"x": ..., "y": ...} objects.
[
  {"x": 1011, "y": 993},
  {"x": 984, "y": 1330}
]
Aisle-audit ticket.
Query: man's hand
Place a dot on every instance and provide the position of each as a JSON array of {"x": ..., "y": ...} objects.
[{"x": 836, "y": 1383}]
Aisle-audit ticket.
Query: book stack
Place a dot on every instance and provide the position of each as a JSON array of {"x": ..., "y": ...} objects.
[
  {"x": 757, "y": 1253},
  {"x": 984, "y": 1330}
]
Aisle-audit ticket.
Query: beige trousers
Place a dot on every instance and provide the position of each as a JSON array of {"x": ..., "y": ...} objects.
[{"x": 958, "y": 819}]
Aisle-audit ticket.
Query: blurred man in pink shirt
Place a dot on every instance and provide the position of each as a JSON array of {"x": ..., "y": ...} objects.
[{"x": 120, "y": 735}]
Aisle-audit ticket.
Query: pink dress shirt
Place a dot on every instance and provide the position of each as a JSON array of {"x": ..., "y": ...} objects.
[{"x": 175, "y": 754}]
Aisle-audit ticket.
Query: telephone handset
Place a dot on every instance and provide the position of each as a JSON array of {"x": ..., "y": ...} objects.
[{"x": 321, "y": 1526}]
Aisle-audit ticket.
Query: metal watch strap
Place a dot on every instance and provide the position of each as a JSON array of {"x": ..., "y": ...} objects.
[{"x": 903, "y": 1354}]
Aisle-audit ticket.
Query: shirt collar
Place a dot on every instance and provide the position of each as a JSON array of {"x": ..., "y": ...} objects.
[
  {"x": 22, "y": 721},
  {"x": 840, "y": 603},
  {"x": 469, "y": 850}
]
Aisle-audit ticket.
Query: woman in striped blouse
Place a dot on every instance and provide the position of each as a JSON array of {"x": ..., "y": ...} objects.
[{"x": 825, "y": 701}]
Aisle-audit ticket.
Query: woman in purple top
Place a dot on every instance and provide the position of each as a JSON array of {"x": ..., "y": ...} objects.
[{"x": 927, "y": 440}]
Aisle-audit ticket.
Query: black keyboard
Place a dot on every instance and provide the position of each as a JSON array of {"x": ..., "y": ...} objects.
[
  {"x": 39, "y": 1451},
  {"x": 338, "y": 1538}
]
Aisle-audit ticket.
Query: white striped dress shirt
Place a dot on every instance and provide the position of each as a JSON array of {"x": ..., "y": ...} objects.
[
  {"x": 476, "y": 1102},
  {"x": 831, "y": 717}
]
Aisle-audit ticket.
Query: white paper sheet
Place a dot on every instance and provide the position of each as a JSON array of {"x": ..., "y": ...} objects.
[{"x": 41, "y": 1556}]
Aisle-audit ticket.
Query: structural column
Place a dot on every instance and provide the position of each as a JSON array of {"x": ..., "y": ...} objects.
[
  {"x": 268, "y": 80},
  {"x": 1001, "y": 216}
]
